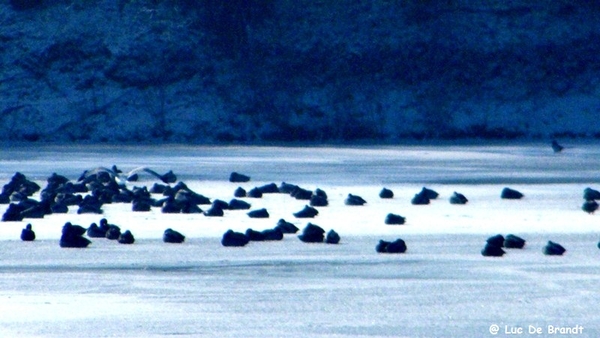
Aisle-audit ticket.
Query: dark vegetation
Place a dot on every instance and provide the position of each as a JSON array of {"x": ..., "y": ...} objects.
[{"x": 258, "y": 70}]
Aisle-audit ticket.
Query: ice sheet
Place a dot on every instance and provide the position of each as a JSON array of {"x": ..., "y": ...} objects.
[{"x": 442, "y": 286}]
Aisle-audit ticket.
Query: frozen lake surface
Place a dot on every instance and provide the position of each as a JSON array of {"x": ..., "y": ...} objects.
[{"x": 441, "y": 287}]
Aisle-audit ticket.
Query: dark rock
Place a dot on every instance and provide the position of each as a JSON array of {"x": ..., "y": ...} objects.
[
  {"x": 172, "y": 236},
  {"x": 236, "y": 204},
  {"x": 589, "y": 206},
  {"x": 238, "y": 178},
  {"x": 258, "y": 213},
  {"x": 491, "y": 250},
  {"x": 354, "y": 200},
  {"x": 393, "y": 219},
  {"x": 513, "y": 242},
  {"x": 553, "y": 249},
  {"x": 386, "y": 193},
  {"x": 511, "y": 194},
  {"x": 458, "y": 198},
  {"x": 306, "y": 212},
  {"x": 332, "y": 237},
  {"x": 232, "y": 238},
  {"x": 312, "y": 234},
  {"x": 286, "y": 227},
  {"x": 126, "y": 238},
  {"x": 27, "y": 234}
]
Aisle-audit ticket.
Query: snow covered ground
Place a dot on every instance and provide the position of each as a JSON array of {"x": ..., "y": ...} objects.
[{"x": 441, "y": 287}]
